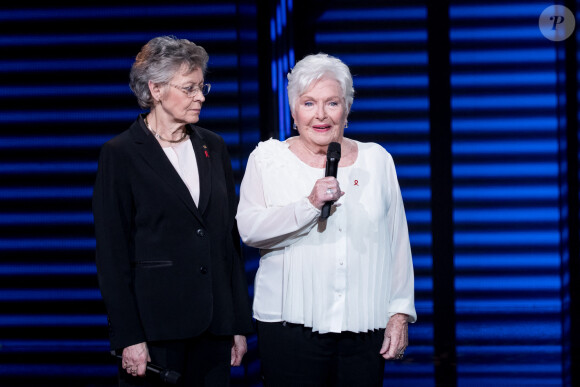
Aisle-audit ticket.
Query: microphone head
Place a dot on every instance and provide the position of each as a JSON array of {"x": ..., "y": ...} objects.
[
  {"x": 170, "y": 377},
  {"x": 333, "y": 150}
]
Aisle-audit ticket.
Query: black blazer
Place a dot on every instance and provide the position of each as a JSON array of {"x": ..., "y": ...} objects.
[{"x": 167, "y": 269}]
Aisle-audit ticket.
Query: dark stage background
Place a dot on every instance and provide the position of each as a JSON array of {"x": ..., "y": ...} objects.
[{"x": 477, "y": 107}]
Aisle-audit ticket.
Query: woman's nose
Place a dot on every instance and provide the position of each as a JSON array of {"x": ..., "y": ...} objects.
[{"x": 320, "y": 111}]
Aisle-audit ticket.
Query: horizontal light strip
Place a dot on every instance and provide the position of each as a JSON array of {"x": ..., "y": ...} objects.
[
  {"x": 385, "y": 127},
  {"x": 84, "y": 370},
  {"x": 88, "y": 141},
  {"x": 525, "y": 57},
  {"x": 525, "y": 331},
  {"x": 395, "y": 104},
  {"x": 48, "y": 167},
  {"x": 516, "y": 282},
  {"x": 496, "y": 261},
  {"x": 367, "y": 82},
  {"x": 530, "y": 169},
  {"x": 38, "y": 346},
  {"x": 505, "y": 215},
  {"x": 96, "y": 90},
  {"x": 423, "y": 262},
  {"x": 95, "y": 64},
  {"x": 528, "y": 238},
  {"x": 506, "y": 192},
  {"x": 395, "y": 59},
  {"x": 401, "y": 148},
  {"x": 47, "y": 244},
  {"x": 421, "y": 239},
  {"x": 504, "y": 80},
  {"x": 18, "y": 269},
  {"x": 417, "y": 216},
  {"x": 61, "y": 167},
  {"x": 503, "y": 102},
  {"x": 369, "y": 14},
  {"x": 208, "y": 112},
  {"x": 117, "y": 12},
  {"x": 529, "y": 123},
  {"x": 46, "y": 218},
  {"x": 494, "y": 12},
  {"x": 57, "y": 91},
  {"x": 413, "y": 171},
  {"x": 24, "y": 295},
  {"x": 478, "y": 147},
  {"x": 510, "y": 349},
  {"x": 24, "y": 193},
  {"x": 416, "y": 194},
  {"x": 118, "y": 38},
  {"x": 422, "y": 284},
  {"x": 407, "y": 36},
  {"x": 508, "y": 307},
  {"x": 486, "y": 34},
  {"x": 40, "y": 320},
  {"x": 516, "y": 370}
]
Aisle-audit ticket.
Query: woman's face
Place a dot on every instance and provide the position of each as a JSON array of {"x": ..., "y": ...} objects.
[
  {"x": 175, "y": 103},
  {"x": 320, "y": 113}
]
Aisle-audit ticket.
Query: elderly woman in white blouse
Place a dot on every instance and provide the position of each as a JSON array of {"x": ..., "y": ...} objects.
[{"x": 333, "y": 296}]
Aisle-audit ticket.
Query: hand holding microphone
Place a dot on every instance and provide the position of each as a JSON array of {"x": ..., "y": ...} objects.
[
  {"x": 327, "y": 190},
  {"x": 155, "y": 371}
]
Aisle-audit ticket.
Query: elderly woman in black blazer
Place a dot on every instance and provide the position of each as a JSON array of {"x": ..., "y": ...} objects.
[{"x": 164, "y": 203}]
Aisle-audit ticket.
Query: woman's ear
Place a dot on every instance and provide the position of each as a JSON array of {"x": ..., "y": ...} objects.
[{"x": 155, "y": 91}]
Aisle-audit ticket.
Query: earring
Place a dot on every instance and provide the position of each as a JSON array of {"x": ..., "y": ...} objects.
[
  {"x": 345, "y": 124},
  {"x": 294, "y": 126}
]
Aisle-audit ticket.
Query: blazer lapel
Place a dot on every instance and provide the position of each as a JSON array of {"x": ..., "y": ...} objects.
[
  {"x": 155, "y": 157},
  {"x": 203, "y": 157}
]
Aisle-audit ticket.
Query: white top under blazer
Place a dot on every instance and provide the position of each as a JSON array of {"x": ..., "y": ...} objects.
[{"x": 351, "y": 275}]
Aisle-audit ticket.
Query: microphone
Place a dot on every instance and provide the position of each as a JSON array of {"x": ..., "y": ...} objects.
[
  {"x": 332, "y": 159},
  {"x": 165, "y": 375}
]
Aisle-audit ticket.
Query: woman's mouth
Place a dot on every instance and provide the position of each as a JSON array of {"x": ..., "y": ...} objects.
[{"x": 321, "y": 128}]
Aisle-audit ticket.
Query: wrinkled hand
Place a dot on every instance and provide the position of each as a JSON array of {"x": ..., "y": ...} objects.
[
  {"x": 239, "y": 349},
  {"x": 396, "y": 337},
  {"x": 320, "y": 193},
  {"x": 135, "y": 359}
]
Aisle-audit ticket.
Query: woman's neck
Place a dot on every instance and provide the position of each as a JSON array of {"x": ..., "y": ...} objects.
[
  {"x": 316, "y": 156},
  {"x": 163, "y": 131}
]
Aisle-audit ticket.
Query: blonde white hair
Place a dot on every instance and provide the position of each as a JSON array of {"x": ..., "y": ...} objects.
[{"x": 315, "y": 67}]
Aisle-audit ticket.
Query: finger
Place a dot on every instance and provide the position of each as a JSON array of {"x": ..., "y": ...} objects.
[
  {"x": 236, "y": 356},
  {"x": 141, "y": 369},
  {"x": 385, "y": 346},
  {"x": 233, "y": 355},
  {"x": 393, "y": 347}
]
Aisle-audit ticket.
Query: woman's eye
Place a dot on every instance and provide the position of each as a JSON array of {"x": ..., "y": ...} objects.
[
  {"x": 308, "y": 104},
  {"x": 333, "y": 103}
]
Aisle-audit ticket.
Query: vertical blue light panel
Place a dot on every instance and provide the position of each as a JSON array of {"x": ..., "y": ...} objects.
[{"x": 506, "y": 208}]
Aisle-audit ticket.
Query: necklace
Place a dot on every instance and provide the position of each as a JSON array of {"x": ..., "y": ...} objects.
[{"x": 158, "y": 136}]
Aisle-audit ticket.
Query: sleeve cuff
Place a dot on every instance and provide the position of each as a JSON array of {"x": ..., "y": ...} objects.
[{"x": 305, "y": 212}]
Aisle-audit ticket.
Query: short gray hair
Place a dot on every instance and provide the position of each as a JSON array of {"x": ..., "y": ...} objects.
[
  {"x": 315, "y": 67},
  {"x": 159, "y": 60}
]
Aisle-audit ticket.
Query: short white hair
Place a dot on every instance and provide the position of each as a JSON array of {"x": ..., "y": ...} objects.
[{"x": 315, "y": 67}]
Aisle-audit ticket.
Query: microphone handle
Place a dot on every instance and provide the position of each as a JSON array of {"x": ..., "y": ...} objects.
[
  {"x": 331, "y": 170},
  {"x": 325, "y": 211}
]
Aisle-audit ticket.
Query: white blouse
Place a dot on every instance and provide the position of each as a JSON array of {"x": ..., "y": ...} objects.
[
  {"x": 182, "y": 157},
  {"x": 351, "y": 275}
]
